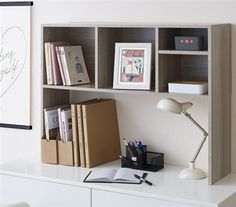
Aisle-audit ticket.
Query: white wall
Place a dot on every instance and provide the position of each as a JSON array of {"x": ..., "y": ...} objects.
[{"x": 178, "y": 138}]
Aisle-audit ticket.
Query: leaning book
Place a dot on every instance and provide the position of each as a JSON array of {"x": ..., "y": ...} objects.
[
  {"x": 51, "y": 122},
  {"x": 74, "y": 65},
  {"x": 121, "y": 175}
]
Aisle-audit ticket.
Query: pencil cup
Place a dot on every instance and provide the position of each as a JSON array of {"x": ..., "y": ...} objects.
[
  {"x": 148, "y": 161},
  {"x": 141, "y": 157},
  {"x": 49, "y": 151}
]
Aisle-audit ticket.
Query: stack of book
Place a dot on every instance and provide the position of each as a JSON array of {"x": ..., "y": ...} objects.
[
  {"x": 91, "y": 126},
  {"x": 65, "y": 64}
]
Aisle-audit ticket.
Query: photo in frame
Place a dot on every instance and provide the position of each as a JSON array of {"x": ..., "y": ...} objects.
[{"x": 132, "y": 68}]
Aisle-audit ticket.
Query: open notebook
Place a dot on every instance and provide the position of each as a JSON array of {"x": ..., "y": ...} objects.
[{"x": 121, "y": 175}]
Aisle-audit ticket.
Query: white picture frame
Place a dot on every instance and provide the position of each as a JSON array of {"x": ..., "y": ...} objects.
[{"x": 132, "y": 67}]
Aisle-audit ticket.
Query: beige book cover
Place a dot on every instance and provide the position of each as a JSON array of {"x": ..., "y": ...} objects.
[
  {"x": 80, "y": 130},
  {"x": 48, "y": 63},
  {"x": 101, "y": 132},
  {"x": 75, "y": 136},
  {"x": 81, "y": 136},
  {"x": 75, "y": 65}
]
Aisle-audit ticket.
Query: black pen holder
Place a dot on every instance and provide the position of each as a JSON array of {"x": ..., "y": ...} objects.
[{"x": 148, "y": 161}]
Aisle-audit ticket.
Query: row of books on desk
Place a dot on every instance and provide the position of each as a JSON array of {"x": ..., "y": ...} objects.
[
  {"x": 65, "y": 64},
  {"x": 92, "y": 128}
]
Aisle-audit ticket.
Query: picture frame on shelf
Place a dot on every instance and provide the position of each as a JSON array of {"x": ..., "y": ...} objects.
[{"x": 132, "y": 67}]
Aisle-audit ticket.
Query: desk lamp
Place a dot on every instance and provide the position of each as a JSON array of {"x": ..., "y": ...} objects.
[{"x": 173, "y": 106}]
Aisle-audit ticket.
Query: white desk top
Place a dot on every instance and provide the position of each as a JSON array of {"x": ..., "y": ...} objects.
[{"x": 166, "y": 184}]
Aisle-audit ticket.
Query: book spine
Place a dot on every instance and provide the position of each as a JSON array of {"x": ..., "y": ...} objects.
[
  {"x": 67, "y": 124},
  {"x": 75, "y": 135},
  {"x": 60, "y": 66},
  {"x": 81, "y": 136},
  {"x": 63, "y": 120},
  {"x": 48, "y": 63},
  {"x": 46, "y": 125},
  {"x": 60, "y": 124},
  {"x": 86, "y": 147},
  {"x": 65, "y": 66},
  {"x": 55, "y": 66}
]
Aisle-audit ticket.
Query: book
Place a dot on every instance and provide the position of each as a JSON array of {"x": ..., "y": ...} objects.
[
  {"x": 64, "y": 65},
  {"x": 81, "y": 131},
  {"x": 101, "y": 132},
  {"x": 48, "y": 63},
  {"x": 57, "y": 77},
  {"x": 121, "y": 175},
  {"x": 74, "y": 65},
  {"x": 81, "y": 136},
  {"x": 190, "y": 87},
  {"x": 59, "y": 109},
  {"x": 60, "y": 65},
  {"x": 51, "y": 122},
  {"x": 75, "y": 135},
  {"x": 66, "y": 121}
]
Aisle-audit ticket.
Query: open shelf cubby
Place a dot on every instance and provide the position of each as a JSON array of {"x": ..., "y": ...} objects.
[
  {"x": 181, "y": 68},
  {"x": 107, "y": 37},
  {"x": 167, "y": 36},
  {"x": 83, "y": 36},
  {"x": 212, "y": 64}
]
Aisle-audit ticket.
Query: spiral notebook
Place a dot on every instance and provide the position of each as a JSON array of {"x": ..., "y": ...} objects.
[{"x": 121, "y": 175}]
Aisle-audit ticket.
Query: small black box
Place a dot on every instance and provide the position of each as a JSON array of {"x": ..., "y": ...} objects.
[{"x": 188, "y": 43}]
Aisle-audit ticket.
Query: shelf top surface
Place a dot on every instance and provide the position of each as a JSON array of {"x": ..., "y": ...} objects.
[
  {"x": 182, "y": 52},
  {"x": 134, "y": 24},
  {"x": 91, "y": 88},
  {"x": 166, "y": 183}
]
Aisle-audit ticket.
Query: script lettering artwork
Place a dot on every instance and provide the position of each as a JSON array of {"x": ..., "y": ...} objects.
[{"x": 12, "y": 57}]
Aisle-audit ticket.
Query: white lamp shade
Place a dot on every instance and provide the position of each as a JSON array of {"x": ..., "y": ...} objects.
[{"x": 171, "y": 105}]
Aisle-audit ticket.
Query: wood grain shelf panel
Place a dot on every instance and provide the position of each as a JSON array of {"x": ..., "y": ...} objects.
[{"x": 181, "y": 52}]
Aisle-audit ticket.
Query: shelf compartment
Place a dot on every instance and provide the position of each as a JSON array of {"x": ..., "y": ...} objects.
[
  {"x": 167, "y": 36},
  {"x": 83, "y": 36},
  {"x": 181, "y": 68},
  {"x": 107, "y": 37},
  {"x": 55, "y": 97}
]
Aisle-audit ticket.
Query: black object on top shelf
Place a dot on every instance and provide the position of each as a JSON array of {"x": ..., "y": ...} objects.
[{"x": 188, "y": 43}]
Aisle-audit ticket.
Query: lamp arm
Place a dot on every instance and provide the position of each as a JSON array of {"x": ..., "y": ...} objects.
[
  {"x": 205, "y": 135},
  {"x": 198, "y": 125}
]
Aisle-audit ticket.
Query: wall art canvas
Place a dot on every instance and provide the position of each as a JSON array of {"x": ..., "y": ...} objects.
[{"x": 15, "y": 29}]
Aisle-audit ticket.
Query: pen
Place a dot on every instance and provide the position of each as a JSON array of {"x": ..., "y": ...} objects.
[
  {"x": 134, "y": 158},
  {"x": 126, "y": 144},
  {"x": 143, "y": 179}
]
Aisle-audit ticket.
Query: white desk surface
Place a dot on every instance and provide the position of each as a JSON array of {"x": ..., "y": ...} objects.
[{"x": 166, "y": 184}]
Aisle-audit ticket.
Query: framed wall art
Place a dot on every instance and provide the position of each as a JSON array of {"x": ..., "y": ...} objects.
[
  {"x": 132, "y": 68},
  {"x": 15, "y": 65}
]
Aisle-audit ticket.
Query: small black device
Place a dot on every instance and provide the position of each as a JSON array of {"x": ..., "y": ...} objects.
[{"x": 188, "y": 43}]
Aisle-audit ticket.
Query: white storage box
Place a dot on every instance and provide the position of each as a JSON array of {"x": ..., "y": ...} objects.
[{"x": 191, "y": 87}]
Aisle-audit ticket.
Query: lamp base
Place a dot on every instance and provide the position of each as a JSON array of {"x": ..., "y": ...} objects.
[{"x": 192, "y": 172}]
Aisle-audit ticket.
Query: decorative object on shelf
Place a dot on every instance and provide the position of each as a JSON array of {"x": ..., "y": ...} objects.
[
  {"x": 173, "y": 106},
  {"x": 132, "y": 68},
  {"x": 188, "y": 43},
  {"x": 15, "y": 64},
  {"x": 137, "y": 157},
  {"x": 190, "y": 87}
]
